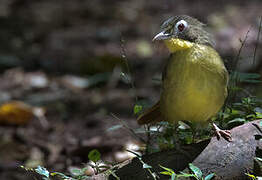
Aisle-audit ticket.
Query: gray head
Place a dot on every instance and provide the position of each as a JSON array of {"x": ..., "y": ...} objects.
[{"x": 186, "y": 28}]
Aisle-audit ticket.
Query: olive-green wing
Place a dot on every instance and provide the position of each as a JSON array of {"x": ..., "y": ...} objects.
[{"x": 151, "y": 115}]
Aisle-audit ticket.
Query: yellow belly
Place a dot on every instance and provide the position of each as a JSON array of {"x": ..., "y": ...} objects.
[{"x": 195, "y": 85}]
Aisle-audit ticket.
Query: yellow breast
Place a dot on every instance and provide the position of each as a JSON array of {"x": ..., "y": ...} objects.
[{"x": 195, "y": 84}]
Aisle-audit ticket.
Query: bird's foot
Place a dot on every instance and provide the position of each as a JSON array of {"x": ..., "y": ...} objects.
[{"x": 226, "y": 134}]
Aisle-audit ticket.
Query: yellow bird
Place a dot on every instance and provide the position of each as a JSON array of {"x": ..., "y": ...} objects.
[{"x": 194, "y": 86}]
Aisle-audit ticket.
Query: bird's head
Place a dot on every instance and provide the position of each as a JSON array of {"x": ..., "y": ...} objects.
[{"x": 182, "y": 32}]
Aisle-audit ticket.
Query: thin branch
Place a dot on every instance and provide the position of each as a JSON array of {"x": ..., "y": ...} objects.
[
  {"x": 258, "y": 36},
  {"x": 123, "y": 54},
  {"x": 235, "y": 78},
  {"x": 132, "y": 132},
  {"x": 240, "y": 49},
  {"x": 148, "y": 139}
]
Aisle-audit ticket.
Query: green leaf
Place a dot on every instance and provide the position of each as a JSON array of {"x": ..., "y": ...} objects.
[
  {"x": 182, "y": 174},
  {"x": 183, "y": 125},
  {"x": 196, "y": 170},
  {"x": 235, "y": 112},
  {"x": 113, "y": 128},
  {"x": 163, "y": 123},
  {"x": 238, "y": 120},
  {"x": 61, "y": 175},
  {"x": 251, "y": 176},
  {"x": 260, "y": 159},
  {"x": 42, "y": 171},
  {"x": 235, "y": 89},
  {"x": 141, "y": 130},
  {"x": 94, "y": 155},
  {"x": 247, "y": 77},
  {"x": 166, "y": 173},
  {"x": 173, "y": 176},
  {"x": 137, "y": 109},
  {"x": 254, "y": 81},
  {"x": 153, "y": 129},
  {"x": 210, "y": 176},
  {"x": 167, "y": 169},
  {"x": 260, "y": 123},
  {"x": 251, "y": 116},
  {"x": 146, "y": 166},
  {"x": 258, "y": 116},
  {"x": 76, "y": 171}
]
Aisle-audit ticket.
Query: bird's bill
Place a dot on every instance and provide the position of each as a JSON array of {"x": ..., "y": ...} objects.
[{"x": 161, "y": 36}]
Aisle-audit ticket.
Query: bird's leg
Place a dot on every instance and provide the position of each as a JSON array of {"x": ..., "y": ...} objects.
[
  {"x": 193, "y": 129},
  {"x": 176, "y": 136},
  {"x": 177, "y": 142},
  {"x": 193, "y": 135},
  {"x": 226, "y": 134}
]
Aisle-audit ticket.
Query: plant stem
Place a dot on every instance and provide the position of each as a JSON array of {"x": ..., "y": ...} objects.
[
  {"x": 132, "y": 132},
  {"x": 258, "y": 36},
  {"x": 124, "y": 56}
]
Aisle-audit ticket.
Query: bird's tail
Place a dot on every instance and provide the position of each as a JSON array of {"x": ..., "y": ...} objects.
[{"x": 151, "y": 115}]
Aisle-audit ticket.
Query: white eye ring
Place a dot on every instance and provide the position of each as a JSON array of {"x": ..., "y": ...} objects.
[{"x": 181, "y": 25}]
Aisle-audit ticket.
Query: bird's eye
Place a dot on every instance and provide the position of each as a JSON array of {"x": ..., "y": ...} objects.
[{"x": 181, "y": 25}]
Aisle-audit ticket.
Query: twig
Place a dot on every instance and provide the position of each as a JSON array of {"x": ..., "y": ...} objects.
[
  {"x": 234, "y": 79},
  {"x": 123, "y": 54},
  {"x": 258, "y": 36},
  {"x": 240, "y": 49},
  {"x": 148, "y": 139},
  {"x": 129, "y": 129}
]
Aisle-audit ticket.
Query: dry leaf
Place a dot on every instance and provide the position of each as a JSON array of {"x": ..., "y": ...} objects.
[{"x": 15, "y": 113}]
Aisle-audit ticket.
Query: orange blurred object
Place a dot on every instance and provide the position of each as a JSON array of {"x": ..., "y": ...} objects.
[{"x": 15, "y": 113}]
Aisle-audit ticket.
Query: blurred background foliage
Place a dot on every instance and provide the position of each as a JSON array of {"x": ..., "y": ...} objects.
[{"x": 65, "y": 60}]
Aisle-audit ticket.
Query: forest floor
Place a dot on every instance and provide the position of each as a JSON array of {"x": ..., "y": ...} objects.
[{"x": 56, "y": 55}]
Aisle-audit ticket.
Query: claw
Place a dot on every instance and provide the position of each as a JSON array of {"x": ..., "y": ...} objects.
[{"x": 226, "y": 134}]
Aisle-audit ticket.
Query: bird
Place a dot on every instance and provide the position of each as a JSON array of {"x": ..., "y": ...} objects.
[{"x": 194, "y": 80}]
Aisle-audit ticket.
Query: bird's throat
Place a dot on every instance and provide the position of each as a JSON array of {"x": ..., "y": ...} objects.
[{"x": 175, "y": 45}]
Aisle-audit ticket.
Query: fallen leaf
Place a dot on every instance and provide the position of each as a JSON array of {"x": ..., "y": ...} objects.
[{"x": 15, "y": 113}]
